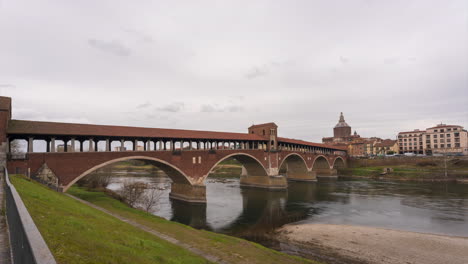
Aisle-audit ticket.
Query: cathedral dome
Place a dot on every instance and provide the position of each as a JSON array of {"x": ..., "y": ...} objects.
[{"x": 341, "y": 122}]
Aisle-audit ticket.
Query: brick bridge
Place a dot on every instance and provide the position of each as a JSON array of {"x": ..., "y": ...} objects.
[{"x": 72, "y": 151}]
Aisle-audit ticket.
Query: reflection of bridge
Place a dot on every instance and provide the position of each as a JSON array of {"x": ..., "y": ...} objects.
[{"x": 187, "y": 156}]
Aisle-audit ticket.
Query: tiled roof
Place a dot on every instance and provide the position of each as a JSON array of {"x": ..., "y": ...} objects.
[
  {"x": 414, "y": 131},
  {"x": 386, "y": 143},
  {"x": 262, "y": 125},
  {"x": 444, "y": 126},
  {"x": 71, "y": 129},
  {"x": 302, "y": 142}
]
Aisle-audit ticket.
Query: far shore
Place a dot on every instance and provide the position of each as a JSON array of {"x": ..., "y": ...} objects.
[{"x": 360, "y": 244}]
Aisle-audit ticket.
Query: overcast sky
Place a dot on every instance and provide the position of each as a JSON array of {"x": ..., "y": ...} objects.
[{"x": 223, "y": 65}]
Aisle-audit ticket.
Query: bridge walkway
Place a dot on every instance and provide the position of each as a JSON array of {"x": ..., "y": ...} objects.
[
  {"x": 154, "y": 232},
  {"x": 5, "y": 256}
]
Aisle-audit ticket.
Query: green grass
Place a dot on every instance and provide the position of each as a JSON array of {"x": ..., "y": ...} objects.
[
  {"x": 402, "y": 172},
  {"x": 230, "y": 249},
  {"x": 77, "y": 233}
]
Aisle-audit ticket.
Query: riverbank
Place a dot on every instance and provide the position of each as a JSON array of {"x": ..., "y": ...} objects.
[
  {"x": 78, "y": 233},
  {"x": 359, "y": 244}
]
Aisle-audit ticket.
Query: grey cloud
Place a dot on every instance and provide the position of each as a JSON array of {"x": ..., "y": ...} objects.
[
  {"x": 257, "y": 72},
  {"x": 173, "y": 107},
  {"x": 344, "y": 60},
  {"x": 207, "y": 108},
  {"x": 139, "y": 34},
  {"x": 114, "y": 47},
  {"x": 144, "y": 105}
]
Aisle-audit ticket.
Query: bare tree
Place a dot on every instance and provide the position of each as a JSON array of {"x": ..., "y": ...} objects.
[
  {"x": 15, "y": 147},
  {"x": 132, "y": 192},
  {"x": 150, "y": 200}
]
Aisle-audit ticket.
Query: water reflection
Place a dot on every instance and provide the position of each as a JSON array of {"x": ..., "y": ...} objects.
[{"x": 249, "y": 213}]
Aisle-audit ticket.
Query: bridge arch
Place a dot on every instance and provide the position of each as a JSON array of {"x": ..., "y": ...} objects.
[
  {"x": 174, "y": 173},
  {"x": 252, "y": 166},
  {"x": 320, "y": 162},
  {"x": 339, "y": 163},
  {"x": 294, "y": 164}
]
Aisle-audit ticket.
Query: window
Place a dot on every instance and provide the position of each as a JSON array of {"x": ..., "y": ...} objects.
[
  {"x": 435, "y": 130},
  {"x": 263, "y": 131},
  {"x": 442, "y": 141},
  {"x": 457, "y": 145},
  {"x": 449, "y": 129},
  {"x": 448, "y": 140},
  {"x": 441, "y": 130},
  {"x": 448, "y": 135},
  {"x": 435, "y": 140},
  {"x": 441, "y": 135},
  {"x": 457, "y": 134},
  {"x": 435, "y": 146},
  {"x": 455, "y": 129},
  {"x": 449, "y": 145},
  {"x": 442, "y": 145},
  {"x": 435, "y": 136}
]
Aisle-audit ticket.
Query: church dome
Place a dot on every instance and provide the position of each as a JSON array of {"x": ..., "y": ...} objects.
[{"x": 341, "y": 122}]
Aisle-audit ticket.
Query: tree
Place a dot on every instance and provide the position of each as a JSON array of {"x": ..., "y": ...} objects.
[
  {"x": 150, "y": 199},
  {"x": 15, "y": 147},
  {"x": 132, "y": 192}
]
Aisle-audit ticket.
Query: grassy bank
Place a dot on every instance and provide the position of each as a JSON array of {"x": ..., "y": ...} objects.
[
  {"x": 76, "y": 233},
  {"x": 408, "y": 172},
  {"x": 230, "y": 249}
]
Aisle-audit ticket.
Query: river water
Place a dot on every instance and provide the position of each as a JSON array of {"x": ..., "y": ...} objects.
[{"x": 438, "y": 208}]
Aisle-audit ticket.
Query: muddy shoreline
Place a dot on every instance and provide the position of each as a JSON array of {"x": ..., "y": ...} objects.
[{"x": 360, "y": 244}]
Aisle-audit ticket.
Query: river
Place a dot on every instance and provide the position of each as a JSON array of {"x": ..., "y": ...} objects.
[{"x": 437, "y": 208}]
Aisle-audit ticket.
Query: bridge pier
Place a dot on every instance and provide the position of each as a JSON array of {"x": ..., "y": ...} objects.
[
  {"x": 278, "y": 182},
  {"x": 188, "y": 193},
  {"x": 327, "y": 173},
  {"x": 310, "y": 176}
]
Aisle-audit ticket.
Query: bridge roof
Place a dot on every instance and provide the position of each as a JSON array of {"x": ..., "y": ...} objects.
[
  {"x": 307, "y": 143},
  {"x": 23, "y": 127}
]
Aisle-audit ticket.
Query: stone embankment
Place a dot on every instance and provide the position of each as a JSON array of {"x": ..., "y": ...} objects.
[{"x": 359, "y": 244}]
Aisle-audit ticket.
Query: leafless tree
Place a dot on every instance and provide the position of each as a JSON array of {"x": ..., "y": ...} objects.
[
  {"x": 150, "y": 199},
  {"x": 15, "y": 147},
  {"x": 132, "y": 192}
]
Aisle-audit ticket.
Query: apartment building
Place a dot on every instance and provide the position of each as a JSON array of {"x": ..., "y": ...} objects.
[{"x": 441, "y": 139}]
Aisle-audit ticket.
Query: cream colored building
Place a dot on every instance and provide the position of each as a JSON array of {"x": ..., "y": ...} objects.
[
  {"x": 446, "y": 139},
  {"x": 441, "y": 139},
  {"x": 411, "y": 142}
]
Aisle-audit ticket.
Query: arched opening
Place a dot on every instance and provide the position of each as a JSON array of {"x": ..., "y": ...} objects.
[
  {"x": 294, "y": 167},
  {"x": 339, "y": 163},
  {"x": 246, "y": 164},
  {"x": 320, "y": 163},
  {"x": 174, "y": 174}
]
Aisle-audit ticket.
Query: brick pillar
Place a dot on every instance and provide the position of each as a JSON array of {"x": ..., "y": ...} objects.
[
  {"x": 108, "y": 144},
  {"x": 30, "y": 144},
  {"x": 72, "y": 145},
  {"x": 122, "y": 145},
  {"x": 90, "y": 146},
  {"x": 52, "y": 144}
]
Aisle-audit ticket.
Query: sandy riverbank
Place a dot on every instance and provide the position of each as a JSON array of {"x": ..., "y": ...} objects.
[{"x": 358, "y": 244}]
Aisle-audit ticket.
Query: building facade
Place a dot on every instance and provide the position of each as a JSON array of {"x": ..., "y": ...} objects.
[
  {"x": 356, "y": 145},
  {"x": 440, "y": 139}
]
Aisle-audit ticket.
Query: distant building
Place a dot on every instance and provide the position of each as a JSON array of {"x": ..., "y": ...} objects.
[
  {"x": 341, "y": 133},
  {"x": 358, "y": 146},
  {"x": 385, "y": 147},
  {"x": 441, "y": 139}
]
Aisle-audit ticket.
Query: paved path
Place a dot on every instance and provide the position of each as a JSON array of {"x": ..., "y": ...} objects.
[
  {"x": 154, "y": 232},
  {"x": 4, "y": 241}
]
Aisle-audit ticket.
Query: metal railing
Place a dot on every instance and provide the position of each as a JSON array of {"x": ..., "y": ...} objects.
[{"x": 26, "y": 242}]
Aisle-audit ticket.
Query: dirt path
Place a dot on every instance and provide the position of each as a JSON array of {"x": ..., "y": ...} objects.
[{"x": 357, "y": 244}]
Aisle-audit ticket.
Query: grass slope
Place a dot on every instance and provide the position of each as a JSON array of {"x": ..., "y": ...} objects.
[
  {"x": 76, "y": 233},
  {"x": 230, "y": 249}
]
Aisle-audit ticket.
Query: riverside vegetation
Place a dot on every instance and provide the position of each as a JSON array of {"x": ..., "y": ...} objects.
[{"x": 77, "y": 233}]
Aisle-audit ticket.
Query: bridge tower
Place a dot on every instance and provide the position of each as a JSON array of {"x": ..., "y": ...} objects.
[
  {"x": 5, "y": 117},
  {"x": 269, "y": 131}
]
